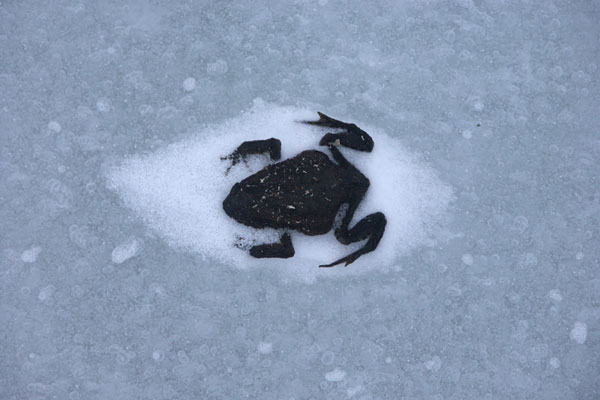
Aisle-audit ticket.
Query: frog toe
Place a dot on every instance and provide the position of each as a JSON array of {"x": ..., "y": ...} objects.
[
  {"x": 372, "y": 227},
  {"x": 327, "y": 121}
]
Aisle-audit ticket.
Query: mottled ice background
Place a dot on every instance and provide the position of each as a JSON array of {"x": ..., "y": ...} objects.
[{"x": 498, "y": 99}]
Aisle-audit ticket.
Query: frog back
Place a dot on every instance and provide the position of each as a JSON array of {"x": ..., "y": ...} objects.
[{"x": 303, "y": 193}]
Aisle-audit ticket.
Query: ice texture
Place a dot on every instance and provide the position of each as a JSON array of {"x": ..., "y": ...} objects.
[
  {"x": 179, "y": 192},
  {"x": 498, "y": 99}
]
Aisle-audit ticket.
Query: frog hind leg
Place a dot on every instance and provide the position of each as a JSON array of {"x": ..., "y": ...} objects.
[
  {"x": 354, "y": 138},
  {"x": 271, "y": 146},
  {"x": 372, "y": 226},
  {"x": 281, "y": 249}
]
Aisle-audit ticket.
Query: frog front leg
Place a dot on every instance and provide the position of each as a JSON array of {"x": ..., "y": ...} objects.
[
  {"x": 281, "y": 249},
  {"x": 271, "y": 146},
  {"x": 354, "y": 138}
]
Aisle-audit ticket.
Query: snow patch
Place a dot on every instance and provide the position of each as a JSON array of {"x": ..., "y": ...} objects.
[{"x": 179, "y": 190}]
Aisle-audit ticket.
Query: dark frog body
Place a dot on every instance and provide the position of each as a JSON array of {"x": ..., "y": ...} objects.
[
  {"x": 306, "y": 192},
  {"x": 303, "y": 193}
]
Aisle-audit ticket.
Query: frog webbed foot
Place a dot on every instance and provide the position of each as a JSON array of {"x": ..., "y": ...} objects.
[
  {"x": 271, "y": 146},
  {"x": 372, "y": 226},
  {"x": 354, "y": 138},
  {"x": 281, "y": 249}
]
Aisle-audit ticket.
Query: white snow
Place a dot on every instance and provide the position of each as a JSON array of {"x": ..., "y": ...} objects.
[{"x": 179, "y": 189}]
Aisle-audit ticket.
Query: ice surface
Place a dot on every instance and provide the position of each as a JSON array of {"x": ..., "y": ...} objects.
[
  {"x": 179, "y": 191},
  {"x": 500, "y": 99}
]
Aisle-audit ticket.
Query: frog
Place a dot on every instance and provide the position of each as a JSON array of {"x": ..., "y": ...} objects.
[{"x": 309, "y": 193}]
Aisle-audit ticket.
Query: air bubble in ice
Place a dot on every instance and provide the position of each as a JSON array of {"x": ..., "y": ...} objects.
[
  {"x": 54, "y": 126},
  {"x": 103, "y": 105},
  {"x": 126, "y": 250},
  {"x": 189, "y": 84},
  {"x": 434, "y": 364},
  {"x": 265, "y": 348},
  {"x": 335, "y": 375},
  {"x": 30, "y": 255}
]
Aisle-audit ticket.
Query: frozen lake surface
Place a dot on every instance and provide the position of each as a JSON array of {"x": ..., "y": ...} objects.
[{"x": 486, "y": 286}]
